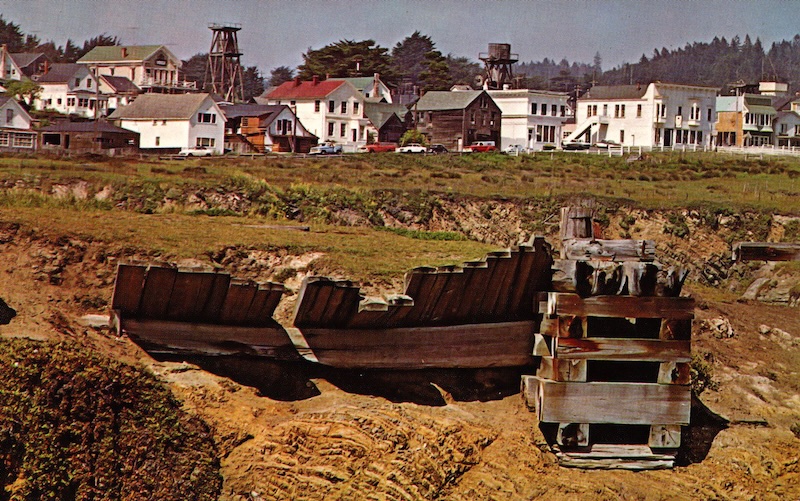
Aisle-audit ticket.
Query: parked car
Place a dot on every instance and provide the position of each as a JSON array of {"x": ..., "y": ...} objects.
[
  {"x": 575, "y": 145},
  {"x": 326, "y": 149},
  {"x": 411, "y": 148},
  {"x": 437, "y": 148},
  {"x": 199, "y": 151},
  {"x": 481, "y": 147},
  {"x": 606, "y": 143},
  {"x": 377, "y": 147},
  {"x": 514, "y": 149}
]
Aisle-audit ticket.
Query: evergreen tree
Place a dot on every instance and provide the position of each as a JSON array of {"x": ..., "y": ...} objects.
[
  {"x": 347, "y": 58},
  {"x": 280, "y": 75},
  {"x": 408, "y": 56}
]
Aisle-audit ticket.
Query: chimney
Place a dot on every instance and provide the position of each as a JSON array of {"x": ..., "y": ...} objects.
[
  {"x": 297, "y": 81},
  {"x": 314, "y": 80},
  {"x": 46, "y": 66},
  {"x": 124, "y": 52},
  {"x": 375, "y": 79}
]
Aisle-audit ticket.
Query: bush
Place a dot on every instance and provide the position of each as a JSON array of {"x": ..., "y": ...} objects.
[
  {"x": 702, "y": 375},
  {"x": 413, "y": 136}
]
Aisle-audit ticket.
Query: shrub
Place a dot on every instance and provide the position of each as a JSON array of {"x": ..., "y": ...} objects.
[{"x": 702, "y": 375}]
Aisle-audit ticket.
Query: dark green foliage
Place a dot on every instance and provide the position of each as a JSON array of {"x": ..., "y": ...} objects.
[
  {"x": 74, "y": 425},
  {"x": 677, "y": 225},
  {"x": 341, "y": 59},
  {"x": 702, "y": 374},
  {"x": 425, "y": 235},
  {"x": 791, "y": 231}
]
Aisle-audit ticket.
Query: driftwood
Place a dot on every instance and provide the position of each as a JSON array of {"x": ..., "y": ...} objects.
[
  {"x": 608, "y": 250},
  {"x": 602, "y": 278}
]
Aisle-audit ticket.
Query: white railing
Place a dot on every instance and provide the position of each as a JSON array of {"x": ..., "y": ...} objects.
[{"x": 153, "y": 82}]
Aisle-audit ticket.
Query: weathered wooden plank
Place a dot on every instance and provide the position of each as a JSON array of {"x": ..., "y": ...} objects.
[
  {"x": 562, "y": 370},
  {"x": 576, "y": 222},
  {"x": 306, "y": 298},
  {"x": 503, "y": 344},
  {"x": 337, "y": 300},
  {"x": 608, "y": 250},
  {"x": 621, "y": 306},
  {"x": 766, "y": 251},
  {"x": 157, "y": 291},
  {"x": 216, "y": 298},
  {"x": 521, "y": 283},
  {"x": 530, "y": 390},
  {"x": 187, "y": 288},
  {"x": 475, "y": 276},
  {"x": 253, "y": 314},
  {"x": 645, "y": 350},
  {"x": 498, "y": 264},
  {"x": 418, "y": 282},
  {"x": 276, "y": 293},
  {"x": 675, "y": 329},
  {"x": 507, "y": 268},
  {"x": 452, "y": 292},
  {"x": 348, "y": 304},
  {"x": 163, "y": 336},
  {"x": 541, "y": 346},
  {"x": 611, "y": 457},
  {"x": 664, "y": 436},
  {"x": 128, "y": 286},
  {"x": 620, "y": 403},
  {"x": 434, "y": 294},
  {"x": 237, "y": 302}
]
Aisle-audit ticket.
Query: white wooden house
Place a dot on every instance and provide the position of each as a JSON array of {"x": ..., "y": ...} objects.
[
  {"x": 787, "y": 125},
  {"x": 170, "y": 122},
  {"x": 531, "y": 118},
  {"x": 652, "y": 115},
  {"x": 15, "y": 126},
  {"x": 149, "y": 67},
  {"x": 70, "y": 89},
  {"x": 332, "y": 110},
  {"x": 372, "y": 88}
]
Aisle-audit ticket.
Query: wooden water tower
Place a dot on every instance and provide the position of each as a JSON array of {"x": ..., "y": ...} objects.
[
  {"x": 497, "y": 66},
  {"x": 224, "y": 69}
]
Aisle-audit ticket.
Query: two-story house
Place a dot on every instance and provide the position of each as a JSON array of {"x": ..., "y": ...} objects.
[
  {"x": 152, "y": 68},
  {"x": 16, "y": 66},
  {"x": 373, "y": 89},
  {"x": 458, "y": 118},
  {"x": 15, "y": 126},
  {"x": 531, "y": 118},
  {"x": 119, "y": 91},
  {"x": 332, "y": 110},
  {"x": 70, "y": 88},
  {"x": 745, "y": 120},
  {"x": 787, "y": 124},
  {"x": 265, "y": 128},
  {"x": 653, "y": 115},
  {"x": 170, "y": 122}
]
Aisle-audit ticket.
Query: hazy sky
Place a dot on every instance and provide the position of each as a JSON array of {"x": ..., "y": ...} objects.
[{"x": 278, "y": 32}]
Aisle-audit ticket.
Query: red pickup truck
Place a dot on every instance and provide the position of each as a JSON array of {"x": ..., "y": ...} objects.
[
  {"x": 377, "y": 148},
  {"x": 481, "y": 147}
]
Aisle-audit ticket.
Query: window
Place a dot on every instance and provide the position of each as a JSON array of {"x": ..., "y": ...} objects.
[
  {"x": 553, "y": 110},
  {"x": 292, "y": 103},
  {"x": 344, "y": 108},
  {"x": 158, "y": 141},
  {"x": 563, "y": 111},
  {"x": 622, "y": 111},
  {"x": 330, "y": 128},
  {"x": 694, "y": 112},
  {"x": 316, "y": 106},
  {"x": 70, "y": 101},
  {"x": 205, "y": 142},
  {"x": 83, "y": 103},
  {"x": 206, "y": 118},
  {"x": 355, "y": 108},
  {"x": 77, "y": 82},
  {"x": 331, "y": 106},
  {"x": 88, "y": 83},
  {"x": 544, "y": 109},
  {"x": 342, "y": 129},
  {"x": 680, "y": 111},
  {"x": 494, "y": 116},
  {"x": 354, "y": 134},
  {"x": 4, "y": 136},
  {"x": 534, "y": 108},
  {"x": 708, "y": 114},
  {"x": 22, "y": 141},
  {"x": 621, "y": 136},
  {"x": 605, "y": 110},
  {"x": 638, "y": 111},
  {"x": 9, "y": 116},
  {"x": 58, "y": 101},
  {"x": 472, "y": 118}
]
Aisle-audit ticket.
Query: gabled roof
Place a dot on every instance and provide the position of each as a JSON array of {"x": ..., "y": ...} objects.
[
  {"x": 91, "y": 126},
  {"x": 250, "y": 110},
  {"x": 120, "y": 84},
  {"x": 305, "y": 90},
  {"x": 380, "y": 113},
  {"x": 60, "y": 73},
  {"x": 161, "y": 107},
  {"x": 119, "y": 53},
  {"x": 23, "y": 59},
  {"x": 616, "y": 92},
  {"x": 447, "y": 100},
  {"x": 357, "y": 82}
]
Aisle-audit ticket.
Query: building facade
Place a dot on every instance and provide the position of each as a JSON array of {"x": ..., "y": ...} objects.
[
  {"x": 745, "y": 120},
  {"x": 332, "y": 110},
  {"x": 15, "y": 126},
  {"x": 152, "y": 68},
  {"x": 458, "y": 118},
  {"x": 654, "y": 115},
  {"x": 532, "y": 119},
  {"x": 70, "y": 89},
  {"x": 170, "y": 122}
]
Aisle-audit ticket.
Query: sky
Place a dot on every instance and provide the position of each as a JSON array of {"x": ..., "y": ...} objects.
[{"x": 277, "y": 32}]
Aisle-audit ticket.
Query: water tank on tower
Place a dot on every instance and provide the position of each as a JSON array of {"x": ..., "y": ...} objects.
[{"x": 498, "y": 73}]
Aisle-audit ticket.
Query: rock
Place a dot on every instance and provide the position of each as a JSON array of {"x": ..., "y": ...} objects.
[
  {"x": 751, "y": 293},
  {"x": 720, "y": 328}
]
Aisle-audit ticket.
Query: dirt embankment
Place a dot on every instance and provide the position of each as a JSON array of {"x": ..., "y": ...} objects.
[{"x": 302, "y": 432}]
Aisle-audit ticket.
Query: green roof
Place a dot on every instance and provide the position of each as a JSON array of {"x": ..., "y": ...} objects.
[
  {"x": 358, "y": 82},
  {"x": 113, "y": 53},
  {"x": 447, "y": 100},
  {"x": 761, "y": 110}
]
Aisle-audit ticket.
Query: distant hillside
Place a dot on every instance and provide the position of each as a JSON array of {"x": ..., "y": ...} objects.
[{"x": 718, "y": 63}]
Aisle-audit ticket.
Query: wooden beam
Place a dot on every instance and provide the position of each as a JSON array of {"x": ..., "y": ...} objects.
[
  {"x": 612, "y": 457},
  {"x": 663, "y": 436},
  {"x": 619, "y": 403},
  {"x": 766, "y": 251},
  {"x": 163, "y": 336},
  {"x": 576, "y": 222},
  {"x": 562, "y": 370},
  {"x": 644, "y": 350},
  {"x": 674, "y": 373},
  {"x": 128, "y": 286},
  {"x": 584, "y": 249},
  {"x": 620, "y": 306},
  {"x": 573, "y": 434},
  {"x": 505, "y": 344}
]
